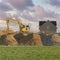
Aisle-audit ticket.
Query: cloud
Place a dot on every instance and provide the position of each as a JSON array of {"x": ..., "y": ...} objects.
[
  {"x": 5, "y": 6},
  {"x": 34, "y": 27},
  {"x": 2, "y": 14},
  {"x": 3, "y": 26},
  {"x": 42, "y": 13},
  {"x": 54, "y": 2},
  {"x": 20, "y": 4},
  {"x": 34, "y": 14}
]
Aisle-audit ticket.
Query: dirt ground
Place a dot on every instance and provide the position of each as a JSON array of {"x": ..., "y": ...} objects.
[{"x": 16, "y": 39}]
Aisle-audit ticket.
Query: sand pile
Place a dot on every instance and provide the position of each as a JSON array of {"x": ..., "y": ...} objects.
[
  {"x": 31, "y": 39},
  {"x": 15, "y": 39},
  {"x": 56, "y": 39},
  {"x": 24, "y": 40},
  {"x": 37, "y": 39},
  {"x": 10, "y": 40}
]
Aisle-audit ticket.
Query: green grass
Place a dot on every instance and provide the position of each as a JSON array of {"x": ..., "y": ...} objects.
[{"x": 30, "y": 53}]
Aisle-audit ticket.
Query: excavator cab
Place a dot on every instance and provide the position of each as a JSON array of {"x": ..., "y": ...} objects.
[{"x": 25, "y": 30}]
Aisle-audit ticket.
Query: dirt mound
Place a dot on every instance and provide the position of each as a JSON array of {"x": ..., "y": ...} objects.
[
  {"x": 31, "y": 39},
  {"x": 24, "y": 40},
  {"x": 3, "y": 40},
  {"x": 56, "y": 39},
  {"x": 15, "y": 39},
  {"x": 10, "y": 40},
  {"x": 37, "y": 39}
]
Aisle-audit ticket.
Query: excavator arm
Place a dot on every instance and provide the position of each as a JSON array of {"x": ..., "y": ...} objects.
[{"x": 23, "y": 28}]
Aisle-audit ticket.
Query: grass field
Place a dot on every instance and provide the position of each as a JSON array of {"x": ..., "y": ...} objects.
[{"x": 30, "y": 53}]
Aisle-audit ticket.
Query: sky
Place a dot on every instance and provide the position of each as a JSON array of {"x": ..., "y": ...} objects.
[
  {"x": 45, "y": 4},
  {"x": 31, "y": 11},
  {"x": 43, "y": 8}
]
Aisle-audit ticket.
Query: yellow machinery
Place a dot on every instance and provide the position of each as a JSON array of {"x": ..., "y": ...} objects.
[{"x": 23, "y": 29}]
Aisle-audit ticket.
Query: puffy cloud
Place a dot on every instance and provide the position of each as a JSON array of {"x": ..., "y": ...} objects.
[
  {"x": 2, "y": 14},
  {"x": 54, "y": 2},
  {"x": 20, "y": 4},
  {"x": 42, "y": 13},
  {"x": 34, "y": 14},
  {"x": 34, "y": 27},
  {"x": 3, "y": 26},
  {"x": 5, "y": 6}
]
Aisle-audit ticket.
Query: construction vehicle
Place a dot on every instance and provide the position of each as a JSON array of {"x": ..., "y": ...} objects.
[{"x": 23, "y": 29}]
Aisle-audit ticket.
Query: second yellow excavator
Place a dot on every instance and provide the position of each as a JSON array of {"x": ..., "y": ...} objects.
[{"x": 23, "y": 29}]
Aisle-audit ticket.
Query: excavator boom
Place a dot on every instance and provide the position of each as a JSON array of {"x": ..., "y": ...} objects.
[{"x": 22, "y": 27}]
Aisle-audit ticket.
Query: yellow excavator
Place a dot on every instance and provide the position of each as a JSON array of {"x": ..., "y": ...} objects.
[{"x": 23, "y": 29}]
